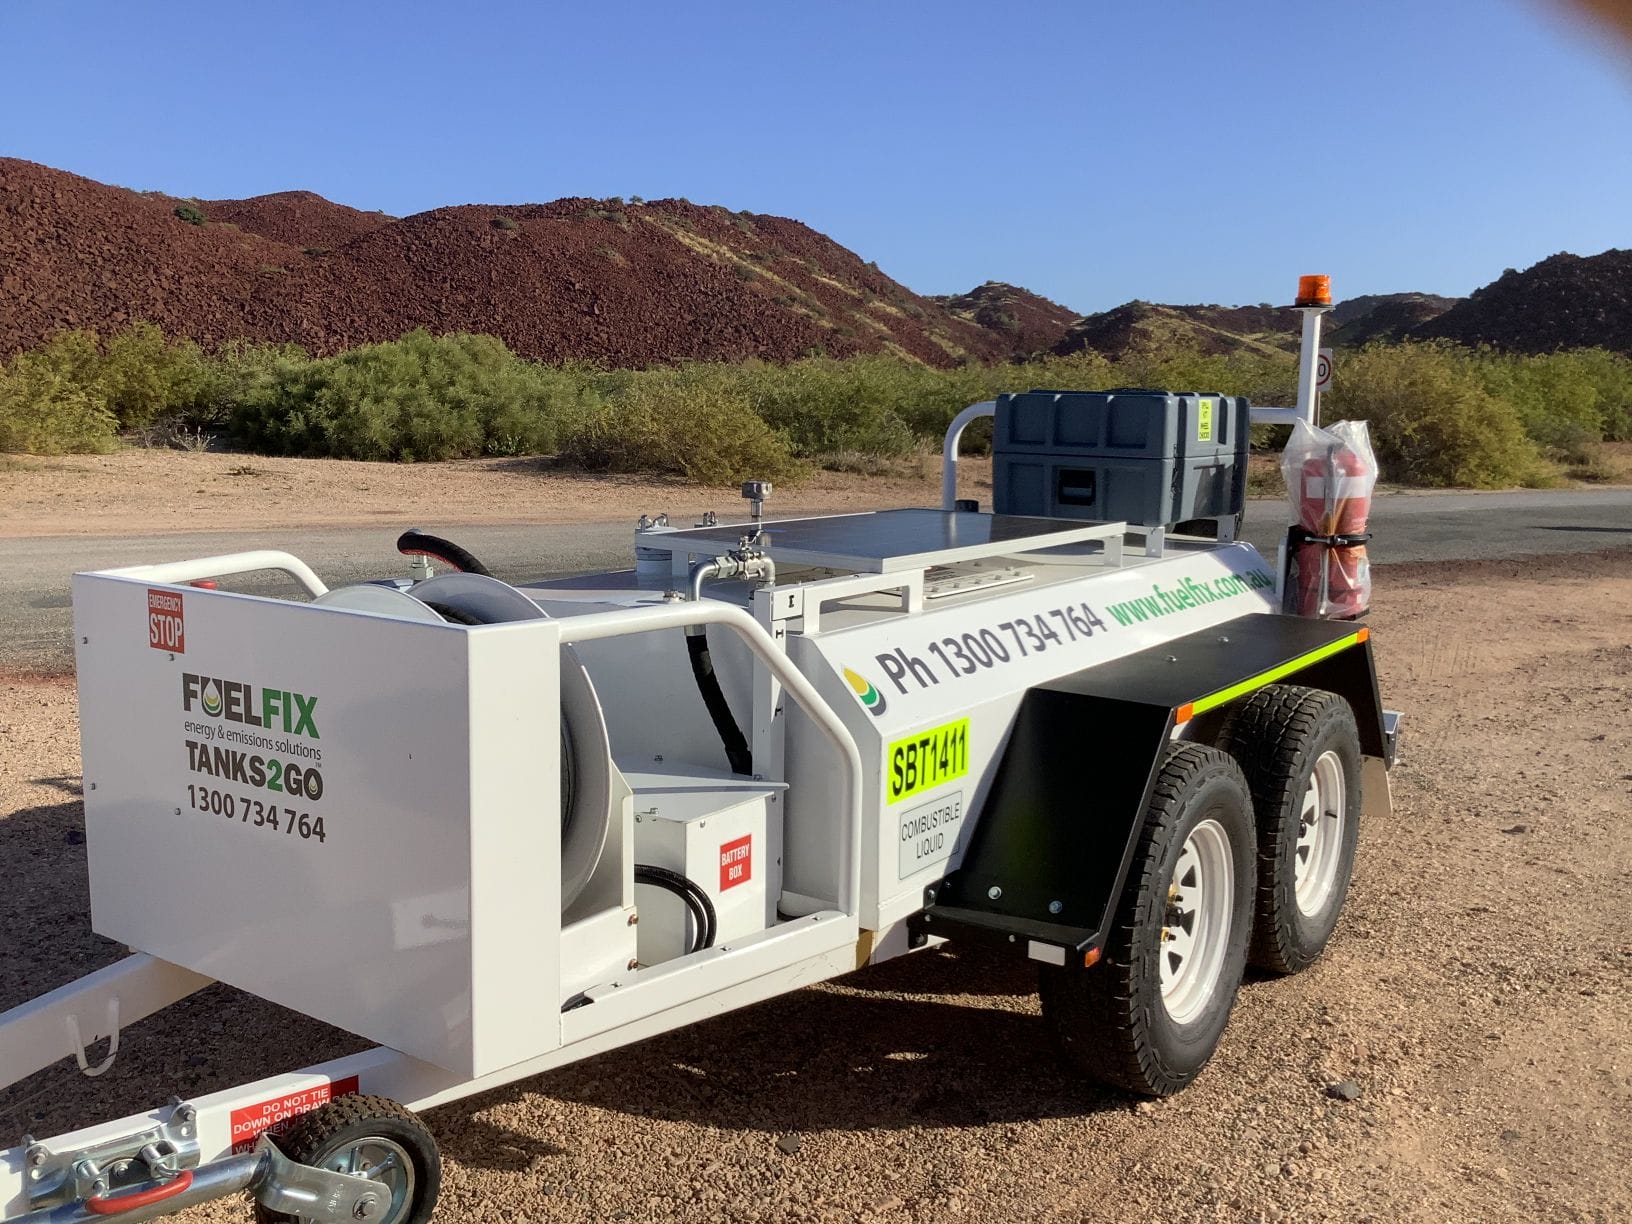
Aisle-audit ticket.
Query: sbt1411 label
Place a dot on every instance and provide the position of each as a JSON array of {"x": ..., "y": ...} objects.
[{"x": 927, "y": 758}]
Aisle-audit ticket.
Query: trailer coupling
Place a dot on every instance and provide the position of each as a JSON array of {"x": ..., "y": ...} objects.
[{"x": 155, "y": 1172}]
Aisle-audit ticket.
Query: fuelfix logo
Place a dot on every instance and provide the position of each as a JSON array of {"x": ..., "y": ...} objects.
[
  {"x": 274, "y": 709},
  {"x": 864, "y": 690}
]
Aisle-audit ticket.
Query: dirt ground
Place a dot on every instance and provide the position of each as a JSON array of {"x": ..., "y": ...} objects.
[
  {"x": 1476, "y": 993},
  {"x": 141, "y": 491}
]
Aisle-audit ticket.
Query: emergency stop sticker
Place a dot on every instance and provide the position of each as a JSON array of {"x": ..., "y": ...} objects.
[
  {"x": 273, "y": 1117},
  {"x": 736, "y": 862},
  {"x": 166, "y": 629}
]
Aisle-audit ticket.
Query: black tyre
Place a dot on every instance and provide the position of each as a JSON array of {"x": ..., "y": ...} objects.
[
  {"x": 376, "y": 1138},
  {"x": 1300, "y": 750},
  {"x": 1149, "y": 1015}
]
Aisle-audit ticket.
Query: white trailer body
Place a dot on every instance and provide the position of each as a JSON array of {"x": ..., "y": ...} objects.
[{"x": 497, "y": 828}]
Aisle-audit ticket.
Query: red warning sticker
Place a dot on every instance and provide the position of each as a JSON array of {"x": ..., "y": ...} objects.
[
  {"x": 273, "y": 1117},
  {"x": 736, "y": 862},
  {"x": 166, "y": 628}
]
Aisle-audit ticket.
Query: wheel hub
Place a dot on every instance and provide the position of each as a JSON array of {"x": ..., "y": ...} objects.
[
  {"x": 384, "y": 1161},
  {"x": 1196, "y": 923}
]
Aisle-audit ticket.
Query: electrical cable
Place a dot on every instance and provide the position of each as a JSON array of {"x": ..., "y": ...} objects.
[{"x": 691, "y": 895}]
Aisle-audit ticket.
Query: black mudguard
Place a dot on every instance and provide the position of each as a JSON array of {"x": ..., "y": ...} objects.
[{"x": 1051, "y": 850}]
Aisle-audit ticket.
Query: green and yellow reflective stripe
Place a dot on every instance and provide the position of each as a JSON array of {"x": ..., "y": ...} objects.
[{"x": 1213, "y": 700}]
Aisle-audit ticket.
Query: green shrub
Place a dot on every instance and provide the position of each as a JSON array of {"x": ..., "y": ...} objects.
[
  {"x": 1556, "y": 402},
  {"x": 1432, "y": 420},
  {"x": 698, "y": 430},
  {"x": 422, "y": 397},
  {"x": 505, "y": 223},
  {"x": 45, "y": 410},
  {"x": 52, "y": 400},
  {"x": 190, "y": 213},
  {"x": 145, "y": 376},
  {"x": 1610, "y": 375}
]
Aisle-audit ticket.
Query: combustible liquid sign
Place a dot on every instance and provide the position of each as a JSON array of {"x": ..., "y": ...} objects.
[
  {"x": 166, "y": 628},
  {"x": 736, "y": 862},
  {"x": 274, "y": 1117}
]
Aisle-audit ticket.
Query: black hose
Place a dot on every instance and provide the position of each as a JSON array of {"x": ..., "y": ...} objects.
[
  {"x": 695, "y": 899},
  {"x": 416, "y": 543},
  {"x": 737, "y": 752},
  {"x": 454, "y": 616}
]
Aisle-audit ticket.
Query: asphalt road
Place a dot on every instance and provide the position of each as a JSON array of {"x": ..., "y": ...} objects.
[{"x": 35, "y": 620}]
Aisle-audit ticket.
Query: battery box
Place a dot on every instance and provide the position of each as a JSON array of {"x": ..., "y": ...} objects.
[
  {"x": 711, "y": 827},
  {"x": 1149, "y": 458}
]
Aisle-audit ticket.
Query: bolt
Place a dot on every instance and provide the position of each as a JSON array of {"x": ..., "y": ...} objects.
[
  {"x": 93, "y": 785},
  {"x": 365, "y": 1207},
  {"x": 929, "y": 896},
  {"x": 633, "y": 918},
  {"x": 185, "y": 1113},
  {"x": 1172, "y": 658},
  {"x": 84, "y": 641},
  {"x": 634, "y": 963},
  {"x": 1055, "y": 907},
  {"x": 1223, "y": 639},
  {"x": 36, "y": 1155},
  {"x": 994, "y": 892},
  {"x": 178, "y": 811}
]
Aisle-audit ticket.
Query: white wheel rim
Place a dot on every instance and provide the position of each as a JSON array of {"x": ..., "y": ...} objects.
[
  {"x": 1196, "y": 925},
  {"x": 1320, "y": 835}
]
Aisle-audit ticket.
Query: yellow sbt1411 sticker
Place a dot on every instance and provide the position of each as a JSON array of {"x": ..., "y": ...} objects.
[{"x": 925, "y": 759}]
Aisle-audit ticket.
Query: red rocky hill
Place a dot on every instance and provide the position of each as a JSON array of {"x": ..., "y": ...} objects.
[
  {"x": 627, "y": 284},
  {"x": 1565, "y": 301},
  {"x": 1027, "y": 322}
]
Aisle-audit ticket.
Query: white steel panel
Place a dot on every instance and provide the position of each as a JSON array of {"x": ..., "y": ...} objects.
[
  {"x": 924, "y": 681},
  {"x": 370, "y": 926},
  {"x": 515, "y": 841}
]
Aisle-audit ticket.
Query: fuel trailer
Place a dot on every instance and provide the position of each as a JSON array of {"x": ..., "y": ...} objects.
[{"x": 495, "y": 828}]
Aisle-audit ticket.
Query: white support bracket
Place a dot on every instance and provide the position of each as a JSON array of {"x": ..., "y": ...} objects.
[{"x": 61, "y": 1024}]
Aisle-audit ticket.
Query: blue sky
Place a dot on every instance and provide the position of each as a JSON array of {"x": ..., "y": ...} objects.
[{"x": 1094, "y": 151}]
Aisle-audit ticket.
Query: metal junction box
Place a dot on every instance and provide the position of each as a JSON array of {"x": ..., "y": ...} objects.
[
  {"x": 714, "y": 834},
  {"x": 1149, "y": 458}
]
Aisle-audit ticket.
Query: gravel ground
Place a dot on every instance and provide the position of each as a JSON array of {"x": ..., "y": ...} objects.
[{"x": 1475, "y": 996}]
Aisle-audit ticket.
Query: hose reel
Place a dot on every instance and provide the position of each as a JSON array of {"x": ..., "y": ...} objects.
[{"x": 586, "y": 754}]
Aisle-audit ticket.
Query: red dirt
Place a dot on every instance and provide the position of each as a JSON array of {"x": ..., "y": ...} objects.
[{"x": 577, "y": 278}]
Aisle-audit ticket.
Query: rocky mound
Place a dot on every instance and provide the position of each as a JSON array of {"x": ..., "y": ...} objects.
[
  {"x": 1383, "y": 316},
  {"x": 1026, "y": 321},
  {"x": 582, "y": 279},
  {"x": 301, "y": 219},
  {"x": 1143, "y": 326},
  {"x": 1565, "y": 301}
]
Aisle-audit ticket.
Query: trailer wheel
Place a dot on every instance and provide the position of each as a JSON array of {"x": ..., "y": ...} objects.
[
  {"x": 1300, "y": 750},
  {"x": 375, "y": 1138},
  {"x": 1150, "y": 1015}
]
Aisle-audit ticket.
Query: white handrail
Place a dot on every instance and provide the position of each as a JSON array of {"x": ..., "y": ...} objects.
[
  {"x": 226, "y": 563},
  {"x": 594, "y": 626},
  {"x": 949, "y": 449}
]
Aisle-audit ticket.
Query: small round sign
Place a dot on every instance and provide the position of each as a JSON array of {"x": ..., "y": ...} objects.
[{"x": 1323, "y": 370}]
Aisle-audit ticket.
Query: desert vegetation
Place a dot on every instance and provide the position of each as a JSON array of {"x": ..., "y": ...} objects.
[{"x": 1440, "y": 414}]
